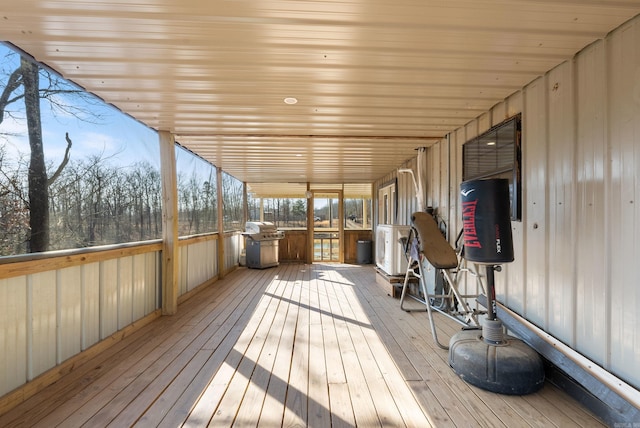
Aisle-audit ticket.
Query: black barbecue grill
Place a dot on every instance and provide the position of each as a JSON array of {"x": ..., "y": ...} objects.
[{"x": 262, "y": 244}]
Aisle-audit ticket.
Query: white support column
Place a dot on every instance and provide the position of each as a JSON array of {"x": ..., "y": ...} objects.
[{"x": 170, "y": 253}]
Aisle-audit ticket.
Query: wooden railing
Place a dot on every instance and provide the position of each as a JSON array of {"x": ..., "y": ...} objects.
[
  {"x": 59, "y": 308},
  {"x": 293, "y": 248}
]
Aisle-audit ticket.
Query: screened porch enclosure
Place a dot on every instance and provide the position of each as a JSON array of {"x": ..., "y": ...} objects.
[{"x": 138, "y": 137}]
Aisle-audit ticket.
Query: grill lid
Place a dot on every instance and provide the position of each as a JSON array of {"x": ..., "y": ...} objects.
[
  {"x": 255, "y": 227},
  {"x": 262, "y": 231}
]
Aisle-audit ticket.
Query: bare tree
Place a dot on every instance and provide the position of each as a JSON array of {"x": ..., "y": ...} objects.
[
  {"x": 24, "y": 84},
  {"x": 14, "y": 217}
]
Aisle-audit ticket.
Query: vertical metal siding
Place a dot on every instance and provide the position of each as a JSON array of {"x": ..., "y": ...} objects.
[
  {"x": 108, "y": 298},
  {"x": 42, "y": 346},
  {"x": 194, "y": 265},
  {"x": 233, "y": 243},
  {"x": 90, "y": 304},
  {"x": 576, "y": 273},
  {"x": 48, "y": 317},
  {"x": 198, "y": 262},
  {"x": 153, "y": 285},
  {"x": 623, "y": 198},
  {"x": 407, "y": 205},
  {"x": 534, "y": 160},
  {"x": 125, "y": 292},
  {"x": 442, "y": 207},
  {"x": 139, "y": 292},
  {"x": 591, "y": 332},
  {"x": 405, "y": 192},
  {"x": 13, "y": 334},
  {"x": 513, "y": 292},
  {"x": 183, "y": 273},
  {"x": 560, "y": 208},
  {"x": 458, "y": 138},
  {"x": 69, "y": 303}
]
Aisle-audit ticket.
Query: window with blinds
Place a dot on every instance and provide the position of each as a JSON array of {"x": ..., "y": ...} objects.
[{"x": 497, "y": 154}]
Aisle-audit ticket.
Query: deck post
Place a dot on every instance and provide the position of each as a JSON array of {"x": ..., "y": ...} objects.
[
  {"x": 169, "y": 223},
  {"x": 310, "y": 216},
  {"x": 245, "y": 204},
  {"x": 220, "y": 223}
]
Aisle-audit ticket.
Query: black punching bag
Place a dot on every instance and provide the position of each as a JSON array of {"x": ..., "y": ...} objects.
[
  {"x": 486, "y": 221},
  {"x": 492, "y": 360}
]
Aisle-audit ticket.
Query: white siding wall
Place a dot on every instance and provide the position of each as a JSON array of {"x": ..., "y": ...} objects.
[
  {"x": 198, "y": 264},
  {"x": 13, "y": 332},
  {"x": 48, "y": 317},
  {"x": 233, "y": 246},
  {"x": 622, "y": 197},
  {"x": 576, "y": 271}
]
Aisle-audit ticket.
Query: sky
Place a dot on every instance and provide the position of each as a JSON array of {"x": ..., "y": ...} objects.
[{"x": 114, "y": 135}]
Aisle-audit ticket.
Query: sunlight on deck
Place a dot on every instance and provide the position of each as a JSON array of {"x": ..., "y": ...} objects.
[{"x": 297, "y": 345}]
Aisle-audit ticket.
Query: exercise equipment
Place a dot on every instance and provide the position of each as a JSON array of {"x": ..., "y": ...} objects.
[
  {"x": 435, "y": 263},
  {"x": 491, "y": 360}
]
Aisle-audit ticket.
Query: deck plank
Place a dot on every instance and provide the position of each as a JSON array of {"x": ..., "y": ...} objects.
[
  {"x": 295, "y": 412},
  {"x": 250, "y": 345},
  {"x": 361, "y": 397},
  {"x": 252, "y": 402},
  {"x": 114, "y": 363},
  {"x": 156, "y": 377},
  {"x": 210, "y": 403},
  {"x": 309, "y": 345},
  {"x": 341, "y": 407},
  {"x": 399, "y": 404},
  {"x": 319, "y": 412}
]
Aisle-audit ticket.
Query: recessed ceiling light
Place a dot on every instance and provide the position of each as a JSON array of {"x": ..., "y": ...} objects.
[
  {"x": 491, "y": 143},
  {"x": 290, "y": 100}
]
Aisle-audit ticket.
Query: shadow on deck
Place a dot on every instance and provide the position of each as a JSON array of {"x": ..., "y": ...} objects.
[{"x": 296, "y": 345}]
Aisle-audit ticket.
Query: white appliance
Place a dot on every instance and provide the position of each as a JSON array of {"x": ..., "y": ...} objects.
[{"x": 390, "y": 255}]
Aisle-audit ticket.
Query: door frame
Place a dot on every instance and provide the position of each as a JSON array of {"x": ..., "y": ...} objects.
[{"x": 311, "y": 223}]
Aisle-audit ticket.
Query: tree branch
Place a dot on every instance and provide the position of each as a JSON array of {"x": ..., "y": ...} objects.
[
  {"x": 63, "y": 163},
  {"x": 15, "y": 80}
]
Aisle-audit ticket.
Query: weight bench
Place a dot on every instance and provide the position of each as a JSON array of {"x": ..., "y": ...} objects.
[{"x": 429, "y": 254}]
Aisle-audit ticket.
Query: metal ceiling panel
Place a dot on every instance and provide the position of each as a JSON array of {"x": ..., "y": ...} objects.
[{"x": 373, "y": 79}]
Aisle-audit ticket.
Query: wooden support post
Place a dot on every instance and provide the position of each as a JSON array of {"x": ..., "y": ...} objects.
[
  {"x": 261, "y": 218},
  {"x": 310, "y": 223},
  {"x": 341, "y": 224},
  {"x": 245, "y": 204},
  {"x": 220, "y": 224},
  {"x": 365, "y": 212},
  {"x": 169, "y": 224}
]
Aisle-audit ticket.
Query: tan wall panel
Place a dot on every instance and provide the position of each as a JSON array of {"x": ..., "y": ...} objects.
[
  {"x": 592, "y": 334},
  {"x": 622, "y": 198},
  {"x": 13, "y": 333},
  {"x": 69, "y": 284},
  {"x": 575, "y": 273}
]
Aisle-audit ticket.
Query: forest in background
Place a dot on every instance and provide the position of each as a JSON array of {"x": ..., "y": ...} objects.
[{"x": 80, "y": 173}]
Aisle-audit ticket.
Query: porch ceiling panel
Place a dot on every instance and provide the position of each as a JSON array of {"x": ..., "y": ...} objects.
[{"x": 374, "y": 79}]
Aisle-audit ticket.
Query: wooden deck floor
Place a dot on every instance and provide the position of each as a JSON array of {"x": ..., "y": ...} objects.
[{"x": 292, "y": 346}]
